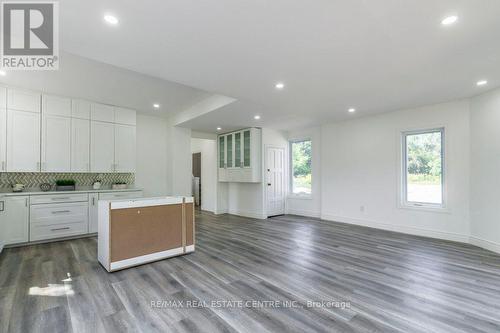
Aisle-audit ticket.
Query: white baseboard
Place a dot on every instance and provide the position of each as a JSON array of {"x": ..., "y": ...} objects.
[
  {"x": 307, "y": 213},
  {"x": 250, "y": 214},
  {"x": 485, "y": 244},
  {"x": 397, "y": 228}
]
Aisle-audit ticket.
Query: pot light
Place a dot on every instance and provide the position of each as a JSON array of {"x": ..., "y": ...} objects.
[
  {"x": 111, "y": 19},
  {"x": 351, "y": 110},
  {"x": 156, "y": 106},
  {"x": 280, "y": 85},
  {"x": 257, "y": 117},
  {"x": 218, "y": 128},
  {"x": 3, "y": 73},
  {"x": 482, "y": 83},
  {"x": 449, "y": 20}
]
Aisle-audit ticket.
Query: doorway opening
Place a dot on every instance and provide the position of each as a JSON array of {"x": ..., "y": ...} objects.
[{"x": 197, "y": 179}]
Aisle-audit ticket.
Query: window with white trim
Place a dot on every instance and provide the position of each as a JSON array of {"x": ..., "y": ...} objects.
[
  {"x": 301, "y": 171},
  {"x": 423, "y": 168}
]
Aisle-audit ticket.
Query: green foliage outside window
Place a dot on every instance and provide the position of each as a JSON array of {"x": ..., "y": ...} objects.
[{"x": 301, "y": 166}]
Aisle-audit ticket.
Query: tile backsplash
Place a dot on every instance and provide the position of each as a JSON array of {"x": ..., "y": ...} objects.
[{"x": 34, "y": 179}]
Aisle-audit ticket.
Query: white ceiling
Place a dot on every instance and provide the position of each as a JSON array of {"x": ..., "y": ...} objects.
[
  {"x": 376, "y": 56},
  {"x": 79, "y": 77}
]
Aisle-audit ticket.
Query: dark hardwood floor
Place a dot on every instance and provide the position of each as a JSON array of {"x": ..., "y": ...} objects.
[{"x": 382, "y": 281}]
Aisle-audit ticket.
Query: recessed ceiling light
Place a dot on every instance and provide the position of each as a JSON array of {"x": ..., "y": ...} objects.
[
  {"x": 111, "y": 19},
  {"x": 352, "y": 110},
  {"x": 3, "y": 73},
  {"x": 257, "y": 117},
  {"x": 449, "y": 20},
  {"x": 280, "y": 85},
  {"x": 218, "y": 128},
  {"x": 156, "y": 106},
  {"x": 482, "y": 83}
]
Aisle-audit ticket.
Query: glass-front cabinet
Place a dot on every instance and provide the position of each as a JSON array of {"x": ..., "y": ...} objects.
[{"x": 239, "y": 156}]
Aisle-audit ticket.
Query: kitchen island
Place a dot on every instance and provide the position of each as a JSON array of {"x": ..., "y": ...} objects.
[{"x": 138, "y": 231}]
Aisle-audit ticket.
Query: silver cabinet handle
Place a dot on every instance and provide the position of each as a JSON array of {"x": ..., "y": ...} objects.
[
  {"x": 3, "y": 165},
  {"x": 57, "y": 229},
  {"x": 2, "y": 206},
  {"x": 61, "y": 212},
  {"x": 65, "y": 198},
  {"x": 93, "y": 201},
  {"x": 26, "y": 202}
]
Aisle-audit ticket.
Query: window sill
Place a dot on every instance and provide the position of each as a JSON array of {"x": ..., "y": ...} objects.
[
  {"x": 299, "y": 197},
  {"x": 429, "y": 209}
]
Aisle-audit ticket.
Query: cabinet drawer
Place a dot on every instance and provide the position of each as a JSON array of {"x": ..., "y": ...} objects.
[
  {"x": 54, "y": 198},
  {"x": 120, "y": 195},
  {"x": 59, "y": 213},
  {"x": 41, "y": 232}
]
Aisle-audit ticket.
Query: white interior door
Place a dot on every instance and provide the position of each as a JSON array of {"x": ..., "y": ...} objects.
[{"x": 275, "y": 177}]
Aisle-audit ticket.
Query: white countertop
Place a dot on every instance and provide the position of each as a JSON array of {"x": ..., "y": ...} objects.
[
  {"x": 84, "y": 189},
  {"x": 145, "y": 202}
]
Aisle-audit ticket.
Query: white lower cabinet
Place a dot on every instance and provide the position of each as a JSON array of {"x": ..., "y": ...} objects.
[
  {"x": 34, "y": 218},
  {"x": 93, "y": 212},
  {"x": 14, "y": 219},
  {"x": 68, "y": 216}
]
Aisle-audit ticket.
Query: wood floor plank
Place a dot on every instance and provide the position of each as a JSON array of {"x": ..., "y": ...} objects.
[{"x": 388, "y": 282}]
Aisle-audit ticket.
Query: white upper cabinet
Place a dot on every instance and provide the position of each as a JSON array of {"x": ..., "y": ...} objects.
[
  {"x": 23, "y": 100},
  {"x": 3, "y": 129},
  {"x": 56, "y": 106},
  {"x": 56, "y": 144},
  {"x": 125, "y": 116},
  {"x": 56, "y": 134},
  {"x": 125, "y": 148},
  {"x": 23, "y": 141},
  {"x": 80, "y": 109},
  {"x": 239, "y": 156},
  {"x": 102, "y": 147},
  {"x": 80, "y": 145},
  {"x": 102, "y": 112}
]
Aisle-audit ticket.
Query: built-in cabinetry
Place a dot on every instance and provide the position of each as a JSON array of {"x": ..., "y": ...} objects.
[
  {"x": 14, "y": 219},
  {"x": 113, "y": 139},
  {"x": 57, "y": 134},
  {"x": 39, "y": 217},
  {"x": 239, "y": 156},
  {"x": 23, "y": 131},
  {"x": 58, "y": 215},
  {"x": 3, "y": 129}
]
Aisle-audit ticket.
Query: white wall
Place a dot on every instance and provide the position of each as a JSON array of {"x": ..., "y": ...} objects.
[
  {"x": 180, "y": 160},
  {"x": 310, "y": 206},
  {"x": 249, "y": 199},
  {"x": 151, "y": 170},
  {"x": 360, "y": 167},
  {"x": 208, "y": 150},
  {"x": 485, "y": 170}
]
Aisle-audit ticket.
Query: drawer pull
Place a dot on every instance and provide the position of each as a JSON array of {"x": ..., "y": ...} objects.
[
  {"x": 65, "y": 198},
  {"x": 57, "y": 229},
  {"x": 61, "y": 212}
]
